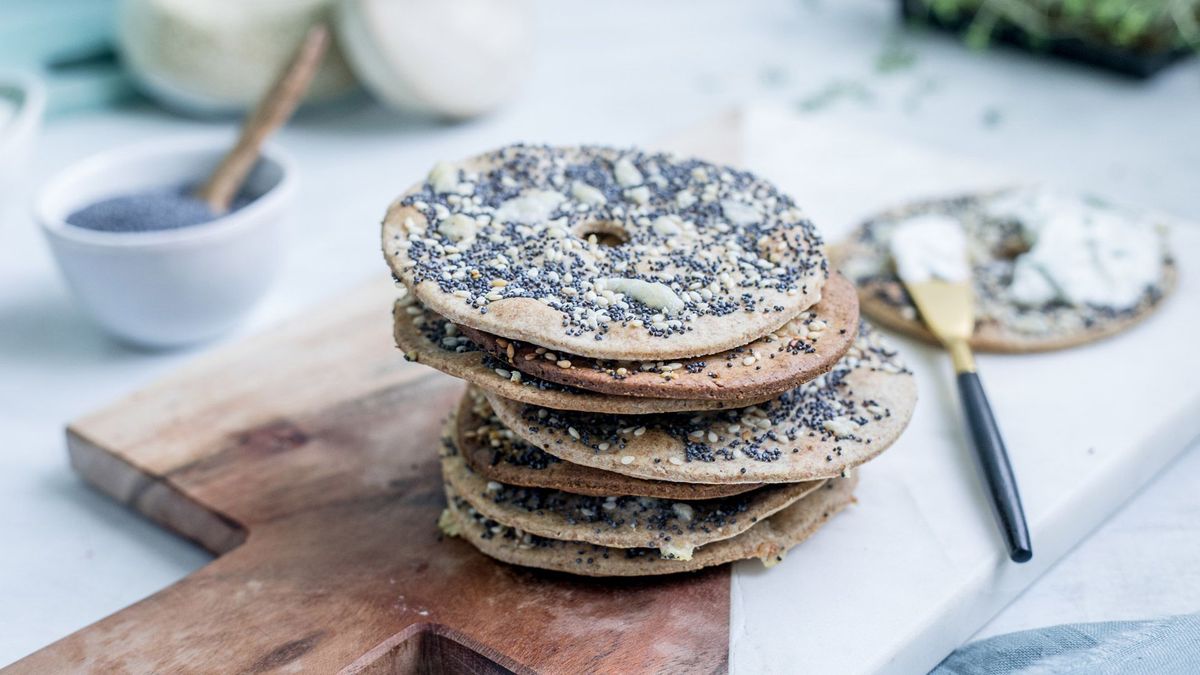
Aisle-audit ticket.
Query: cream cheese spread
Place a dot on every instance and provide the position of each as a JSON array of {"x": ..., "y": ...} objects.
[
  {"x": 930, "y": 246},
  {"x": 1080, "y": 253}
]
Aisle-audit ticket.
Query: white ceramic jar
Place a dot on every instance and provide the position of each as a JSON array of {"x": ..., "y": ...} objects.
[
  {"x": 450, "y": 58},
  {"x": 167, "y": 288},
  {"x": 456, "y": 59},
  {"x": 220, "y": 56}
]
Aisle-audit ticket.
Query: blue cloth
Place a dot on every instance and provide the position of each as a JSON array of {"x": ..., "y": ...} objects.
[{"x": 1169, "y": 646}]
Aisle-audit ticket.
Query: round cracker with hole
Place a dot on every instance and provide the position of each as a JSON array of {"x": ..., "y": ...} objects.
[
  {"x": 799, "y": 351},
  {"x": 675, "y": 527},
  {"x": 428, "y": 338},
  {"x": 821, "y": 429},
  {"x": 496, "y": 453},
  {"x": 768, "y": 540},
  {"x": 994, "y": 241},
  {"x": 509, "y": 242}
]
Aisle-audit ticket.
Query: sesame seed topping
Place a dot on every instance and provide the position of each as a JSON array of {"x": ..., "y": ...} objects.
[
  {"x": 536, "y": 220},
  {"x": 826, "y": 408}
]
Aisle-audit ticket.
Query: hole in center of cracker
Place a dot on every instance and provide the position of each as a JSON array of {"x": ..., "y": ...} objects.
[{"x": 604, "y": 233}]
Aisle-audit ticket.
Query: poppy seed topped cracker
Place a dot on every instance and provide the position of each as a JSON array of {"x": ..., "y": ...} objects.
[
  {"x": 675, "y": 527},
  {"x": 496, "y": 453},
  {"x": 663, "y": 375},
  {"x": 820, "y": 429},
  {"x": 605, "y": 253},
  {"x": 768, "y": 540},
  {"x": 426, "y": 337},
  {"x": 797, "y": 352},
  {"x": 1048, "y": 270}
]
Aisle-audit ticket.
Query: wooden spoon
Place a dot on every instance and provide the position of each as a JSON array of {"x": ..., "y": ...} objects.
[{"x": 272, "y": 112}]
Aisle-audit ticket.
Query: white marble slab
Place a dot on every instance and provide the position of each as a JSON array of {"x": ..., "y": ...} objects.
[{"x": 917, "y": 566}]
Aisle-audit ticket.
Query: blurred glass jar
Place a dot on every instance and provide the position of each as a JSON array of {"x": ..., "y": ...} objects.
[{"x": 216, "y": 57}]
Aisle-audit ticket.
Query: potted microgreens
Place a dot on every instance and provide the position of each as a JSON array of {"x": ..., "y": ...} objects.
[{"x": 1135, "y": 37}]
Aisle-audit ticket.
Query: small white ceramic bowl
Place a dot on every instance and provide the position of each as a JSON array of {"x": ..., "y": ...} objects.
[
  {"x": 168, "y": 288},
  {"x": 18, "y": 133}
]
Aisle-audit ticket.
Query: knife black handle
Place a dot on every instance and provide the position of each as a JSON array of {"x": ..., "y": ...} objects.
[{"x": 993, "y": 459}]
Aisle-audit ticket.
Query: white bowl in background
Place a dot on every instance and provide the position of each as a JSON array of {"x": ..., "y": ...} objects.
[
  {"x": 18, "y": 133},
  {"x": 167, "y": 288}
]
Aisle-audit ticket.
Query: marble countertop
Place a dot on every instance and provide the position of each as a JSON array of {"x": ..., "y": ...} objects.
[{"x": 74, "y": 556}]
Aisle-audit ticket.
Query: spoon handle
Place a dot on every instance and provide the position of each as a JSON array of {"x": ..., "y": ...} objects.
[
  {"x": 993, "y": 458},
  {"x": 272, "y": 112}
]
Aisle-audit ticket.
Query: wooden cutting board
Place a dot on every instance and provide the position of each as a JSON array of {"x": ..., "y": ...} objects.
[{"x": 306, "y": 460}]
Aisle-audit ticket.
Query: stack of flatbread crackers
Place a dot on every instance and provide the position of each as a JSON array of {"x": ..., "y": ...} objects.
[{"x": 646, "y": 454}]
